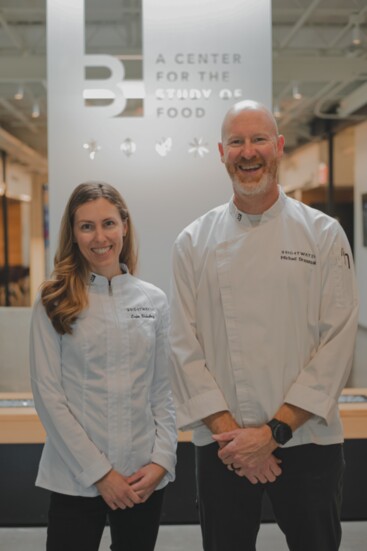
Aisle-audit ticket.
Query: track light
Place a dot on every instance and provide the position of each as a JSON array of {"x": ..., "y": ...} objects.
[
  {"x": 36, "y": 110},
  {"x": 19, "y": 94},
  {"x": 355, "y": 20},
  {"x": 356, "y": 35},
  {"x": 295, "y": 92},
  {"x": 276, "y": 111}
]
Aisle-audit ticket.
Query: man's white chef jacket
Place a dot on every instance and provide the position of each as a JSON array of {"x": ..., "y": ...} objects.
[
  {"x": 103, "y": 393},
  {"x": 261, "y": 315}
]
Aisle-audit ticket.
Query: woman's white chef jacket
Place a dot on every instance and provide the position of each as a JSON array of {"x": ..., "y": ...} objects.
[
  {"x": 263, "y": 315},
  {"x": 103, "y": 393}
]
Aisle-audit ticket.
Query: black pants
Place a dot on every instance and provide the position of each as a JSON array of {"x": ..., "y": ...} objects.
[
  {"x": 306, "y": 500},
  {"x": 77, "y": 524}
]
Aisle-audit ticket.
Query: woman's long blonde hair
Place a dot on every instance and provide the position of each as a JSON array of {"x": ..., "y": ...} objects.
[{"x": 64, "y": 296}]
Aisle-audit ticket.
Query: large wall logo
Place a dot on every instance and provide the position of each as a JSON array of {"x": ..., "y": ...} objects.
[
  {"x": 109, "y": 95},
  {"x": 180, "y": 86},
  {"x": 137, "y": 94},
  {"x": 186, "y": 82}
]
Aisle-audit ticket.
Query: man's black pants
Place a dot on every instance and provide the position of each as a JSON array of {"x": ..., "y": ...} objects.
[
  {"x": 306, "y": 500},
  {"x": 77, "y": 524}
]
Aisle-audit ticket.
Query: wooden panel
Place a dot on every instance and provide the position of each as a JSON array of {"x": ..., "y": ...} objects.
[
  {"x": 354, "y": 415},
  {"x": 22, "y": 425},
  {"x": 14, "y": 233},
  {"x": 320, "y": 195}
]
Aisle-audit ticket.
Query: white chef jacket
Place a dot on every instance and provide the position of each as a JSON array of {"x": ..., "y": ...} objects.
[
  {"x": 103, "y": 393},
  {"x": 261, "y": 315}
]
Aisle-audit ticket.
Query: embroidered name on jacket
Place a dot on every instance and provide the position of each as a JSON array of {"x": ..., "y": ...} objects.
[
  {"x": 138, "y": 312},
  {"x": 298, "y": 256}
]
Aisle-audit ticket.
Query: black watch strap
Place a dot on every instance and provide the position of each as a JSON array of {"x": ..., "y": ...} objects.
[{"x": 281, "y": 432}]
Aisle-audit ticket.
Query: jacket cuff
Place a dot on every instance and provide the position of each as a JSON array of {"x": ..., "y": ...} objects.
[
  {"x": 314, "y": 401},
  {"x": 190, "y": 413},
  {"x": 94, "y": 472},
  {"x": 167, "y": 462}
]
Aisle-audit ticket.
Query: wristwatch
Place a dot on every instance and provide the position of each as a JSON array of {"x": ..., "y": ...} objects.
[{"x": 281, "y": 431}]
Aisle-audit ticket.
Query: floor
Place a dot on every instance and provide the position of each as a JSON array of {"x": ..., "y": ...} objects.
[{"x": 182, "y": 538}]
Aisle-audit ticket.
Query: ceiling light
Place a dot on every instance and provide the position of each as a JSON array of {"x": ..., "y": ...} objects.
[
  {"x": 356, "y": 35},
  {"x": 355, "y": 20},
  {"x": 276, "y": 111},
  {"x": 19, "y": 94},
  {"x": 296, "y": 93},
  {"x": 36, "y": 110}
]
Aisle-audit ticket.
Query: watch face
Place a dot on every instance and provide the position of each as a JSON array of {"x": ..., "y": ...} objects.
[
  {"x": 281, "y": 431},
  {"x": 282, "y": 434}
]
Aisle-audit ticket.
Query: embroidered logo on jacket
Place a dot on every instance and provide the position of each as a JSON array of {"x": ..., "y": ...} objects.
[
  {"x": 138, "y": 312},
  {"x": 298, "y": 256},
  {"x": 346, "y": 258}
]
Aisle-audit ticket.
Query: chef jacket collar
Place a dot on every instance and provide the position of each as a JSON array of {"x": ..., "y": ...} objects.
[
  {"x": 243, "y": 217},
  {"x": 96, "y": 279}
]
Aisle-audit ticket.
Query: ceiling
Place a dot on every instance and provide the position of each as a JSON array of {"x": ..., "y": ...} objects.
[{"x": 313, "y": 55}]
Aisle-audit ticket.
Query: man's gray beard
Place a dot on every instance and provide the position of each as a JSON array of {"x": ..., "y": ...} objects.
[{"x": 253, "y": 189}]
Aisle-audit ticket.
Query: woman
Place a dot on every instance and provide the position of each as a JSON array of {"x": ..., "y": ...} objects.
[{"x": 99, "y": 372}]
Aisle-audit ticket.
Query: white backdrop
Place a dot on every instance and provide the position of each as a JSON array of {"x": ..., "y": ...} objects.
[{"x": 199, "y": 57}]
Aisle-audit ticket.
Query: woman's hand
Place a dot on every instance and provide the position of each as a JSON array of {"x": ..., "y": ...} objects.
[
  {"x": 146, "y": 479},
  {"x": 116, "y": 491}
]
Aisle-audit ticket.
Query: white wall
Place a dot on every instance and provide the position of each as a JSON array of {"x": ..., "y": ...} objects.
[
  {"x": 165, "y": 188},
  {"x": 360, "y": 187}
]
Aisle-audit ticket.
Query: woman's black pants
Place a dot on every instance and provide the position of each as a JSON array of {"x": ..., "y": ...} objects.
[{"x": 77, "y": 524}]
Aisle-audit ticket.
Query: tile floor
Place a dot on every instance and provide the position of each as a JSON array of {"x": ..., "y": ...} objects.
[{"x": 182, "y": 538}]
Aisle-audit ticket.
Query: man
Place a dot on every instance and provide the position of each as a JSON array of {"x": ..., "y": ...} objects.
[{"x": 264, "y": 317}]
